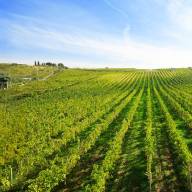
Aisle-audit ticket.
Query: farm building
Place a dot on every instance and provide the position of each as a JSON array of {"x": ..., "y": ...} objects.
[{"x": 4, "y": 81}]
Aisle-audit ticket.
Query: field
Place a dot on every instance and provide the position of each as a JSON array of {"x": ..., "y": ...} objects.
[
  {"x": 96, "y": 130},
  {"x": 21, "y": 73}
]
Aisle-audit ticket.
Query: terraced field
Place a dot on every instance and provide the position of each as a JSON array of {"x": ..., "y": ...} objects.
[{"x": 98, "y": 130}]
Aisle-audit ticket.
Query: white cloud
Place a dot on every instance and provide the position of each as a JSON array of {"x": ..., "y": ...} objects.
[
  {"x": 106, "y": 50},
  {"x": 180, "y": 13},
  {"x": 113, "y": 51}
]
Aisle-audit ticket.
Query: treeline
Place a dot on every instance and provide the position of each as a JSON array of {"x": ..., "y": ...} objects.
[{"x": 60, "y": 65}]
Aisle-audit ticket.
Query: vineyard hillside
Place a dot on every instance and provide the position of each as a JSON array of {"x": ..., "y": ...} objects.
[{"x": 112, "y": 130}]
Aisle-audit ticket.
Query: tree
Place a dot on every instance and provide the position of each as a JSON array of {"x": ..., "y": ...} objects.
[{"x": 60, "y": 65}]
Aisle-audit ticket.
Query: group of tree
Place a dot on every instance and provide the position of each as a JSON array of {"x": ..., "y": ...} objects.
[{"x": 60, "y": 65}]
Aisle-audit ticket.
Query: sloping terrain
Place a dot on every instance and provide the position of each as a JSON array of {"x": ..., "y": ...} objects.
[{"x": 98, "y": 130}]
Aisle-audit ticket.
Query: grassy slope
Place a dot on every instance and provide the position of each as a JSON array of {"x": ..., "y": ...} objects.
[{"x": 17, "y": 72}]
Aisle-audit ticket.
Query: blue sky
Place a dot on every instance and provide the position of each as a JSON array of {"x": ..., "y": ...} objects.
[{"x": 97, "y": 33}]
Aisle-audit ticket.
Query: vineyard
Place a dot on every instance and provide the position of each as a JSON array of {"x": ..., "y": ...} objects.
[{"x": 98, "y": 130}]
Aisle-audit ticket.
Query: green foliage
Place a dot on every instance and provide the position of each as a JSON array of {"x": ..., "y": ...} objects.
[{"x": 48, "y": 124}]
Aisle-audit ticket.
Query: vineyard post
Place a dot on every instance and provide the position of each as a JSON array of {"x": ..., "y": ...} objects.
[
  {"x": 65, "y": 179},
  {"x": 189, "y": 176},
  {"x": 11, "y": 175},
  {"x": 150, "y": 181}
]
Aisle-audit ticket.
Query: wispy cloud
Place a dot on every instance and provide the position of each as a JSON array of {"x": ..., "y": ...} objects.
[
  {"x": 127, "y": 53},
  {"x": 77, "y": 43},
  {"x": 180, "y": 15},
  {"x": 115, "y": 8}
]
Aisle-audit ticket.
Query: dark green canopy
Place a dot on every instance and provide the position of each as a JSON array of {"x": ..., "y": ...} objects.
[{"x": 4, "y": 78}]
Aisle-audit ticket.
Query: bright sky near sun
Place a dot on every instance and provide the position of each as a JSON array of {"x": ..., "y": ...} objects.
[{"x": 97, "y": 33}]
